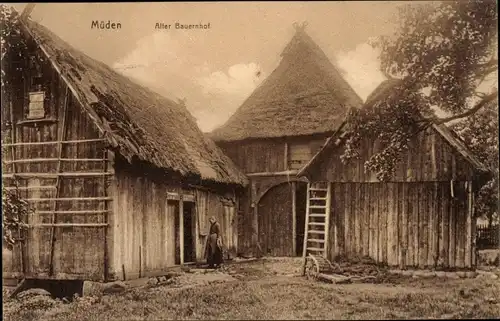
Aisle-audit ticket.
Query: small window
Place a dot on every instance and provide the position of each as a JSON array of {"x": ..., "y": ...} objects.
[{"x": 36, "y": 106}]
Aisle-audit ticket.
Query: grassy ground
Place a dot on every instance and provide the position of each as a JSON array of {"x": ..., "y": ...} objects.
[{"x": 267, "y": 289}]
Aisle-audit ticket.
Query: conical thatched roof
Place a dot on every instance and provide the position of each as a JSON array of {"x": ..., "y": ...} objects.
[
  {"x": 304, "y": 95},
  {"x": 136, "y": 121}
]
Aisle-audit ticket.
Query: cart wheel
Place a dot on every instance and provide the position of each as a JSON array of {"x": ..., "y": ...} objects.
[{"x": 312, "y": 270}]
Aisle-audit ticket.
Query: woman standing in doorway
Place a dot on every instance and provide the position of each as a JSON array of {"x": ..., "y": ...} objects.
[{"x": 213, "y": 249}]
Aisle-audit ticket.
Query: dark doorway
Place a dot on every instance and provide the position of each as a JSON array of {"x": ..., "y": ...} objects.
[
  {"x": 301, "y": 207},
  {"x": 189, "y": 239},
  {"x": 175, "y": 210}
]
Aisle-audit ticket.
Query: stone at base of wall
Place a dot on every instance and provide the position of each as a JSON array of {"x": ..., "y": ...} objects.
[{"x": 442, "y": 274}]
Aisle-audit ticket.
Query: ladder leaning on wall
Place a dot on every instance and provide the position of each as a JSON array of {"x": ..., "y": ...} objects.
[{"x": 317, "y": 226}]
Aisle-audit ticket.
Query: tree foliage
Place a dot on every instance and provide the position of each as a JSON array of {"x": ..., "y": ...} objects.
[
  {"x": 14, "y": 214},
  {"x": 439, "y": 56},
  {"x": 480, "y": 134},
  {"x": 14, "y": 209},
  {"x": 12, "y": 45}
]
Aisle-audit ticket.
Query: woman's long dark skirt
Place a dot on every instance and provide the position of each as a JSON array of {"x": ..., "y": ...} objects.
[{"x": 214, "y": 255}]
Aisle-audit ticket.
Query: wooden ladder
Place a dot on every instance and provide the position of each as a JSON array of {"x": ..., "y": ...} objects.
[{"x": 317, "y": 221}]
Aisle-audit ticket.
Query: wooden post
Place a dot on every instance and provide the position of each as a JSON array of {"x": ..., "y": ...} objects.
[
  {"x": 286, "y": 157},
  {"x": 306, "y": 231},
  {"x": 468, "y": 235},
  {"x": 14, "y": 170},
  {"x": 433, "y": 157},
  {"x": 255, "y": 219},
  {"x": 327, "y": 217},
  {"x": 61, "y": 132},
  {"x": 181, "y": 229},
  {"x": 140, "y": 261},
  {"x": 110, "y": 262},
  {"x": 123, "y": 272},
  {"x": 294, "y": 218}
]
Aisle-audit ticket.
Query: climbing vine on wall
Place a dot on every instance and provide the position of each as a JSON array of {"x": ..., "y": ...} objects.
[
  {"x": 14, "y": 208},
  {"x": 14, "y": 213}
]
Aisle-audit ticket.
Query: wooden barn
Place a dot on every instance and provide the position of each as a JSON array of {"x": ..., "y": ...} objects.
[
  {"x": 275, "y": 132},
  {"x": 121, "y": 180},
  {"x": 422, "y": 218}
]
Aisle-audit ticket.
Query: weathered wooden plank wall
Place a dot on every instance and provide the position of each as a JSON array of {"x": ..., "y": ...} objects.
[
  {"x": 429, "y": 158},
  {"x": 273, "y": 154},
  {"x": 146, "y": 225},
  {"x": 275, "y": 221},
  {"x": 428, "y": 226},
  {"x": 301, "y": 150},
  {"x": 415, "y": 213},
  {"x": 224, "y": 208},
  {"x": 78, "y": 251},
  {"x": 255, "y": 156},
  {"x": 245, "y": 224}
]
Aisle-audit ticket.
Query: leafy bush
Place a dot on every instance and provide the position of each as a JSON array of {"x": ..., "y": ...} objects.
[{"x": 14, "y": 212}]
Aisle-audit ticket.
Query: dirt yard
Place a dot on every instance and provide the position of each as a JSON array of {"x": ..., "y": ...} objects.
[{"x": 272, "y": 289}]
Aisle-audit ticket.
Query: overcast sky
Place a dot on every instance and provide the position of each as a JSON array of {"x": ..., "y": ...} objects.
[{"x": 217, "y": 68}]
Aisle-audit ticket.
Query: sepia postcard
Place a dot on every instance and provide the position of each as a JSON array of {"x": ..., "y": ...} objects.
[{"x": 250, "y": 160}]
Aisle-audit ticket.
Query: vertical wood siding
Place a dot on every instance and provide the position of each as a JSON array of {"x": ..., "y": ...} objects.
[
  {"x": 225, "y": 212},
  {"x": 146, "y": 227},
  {"x": 79, "y": 252},
  {"x": 381, "y": 220},
  {"x": 257, "y": 156},
  {"x": 275, "y": 221},
  {"x": 429, "y": 158},
  {"x": 271, "y": 155},
  {"x": 301, "y": 150}
]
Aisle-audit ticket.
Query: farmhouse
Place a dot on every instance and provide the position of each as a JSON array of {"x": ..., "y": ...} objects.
[
  {"x": 422, "y": 218},
  {"x": 121, "y": 179},
  {"x": 275, "y": 132}
]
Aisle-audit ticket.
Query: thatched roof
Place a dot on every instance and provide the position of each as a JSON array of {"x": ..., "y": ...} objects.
[
  {"x": 304, "y": 95},
  {"x": 386, "y": 88},
  {"x": 136, "y": 121}
]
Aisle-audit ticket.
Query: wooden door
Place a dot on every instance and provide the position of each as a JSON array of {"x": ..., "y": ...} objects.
[
  {"x": 170, "y": 246},
  {"x": 229, "y": 228},
  {"x": 275, "y": 219}
]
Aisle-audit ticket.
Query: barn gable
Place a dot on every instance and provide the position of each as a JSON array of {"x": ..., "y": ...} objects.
[{"x": 434, "y": 154}]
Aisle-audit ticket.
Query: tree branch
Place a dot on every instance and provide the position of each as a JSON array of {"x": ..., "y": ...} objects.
[{"x": 488, "y": 98}]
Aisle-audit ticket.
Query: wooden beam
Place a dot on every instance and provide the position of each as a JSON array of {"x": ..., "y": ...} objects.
[
  {"x": 13, "y": 151},
  {"x": 181, "y": 230},
  {"x": 27, "y": 11},
  {"x": 282, "y": 173},
  {"x": 294, "y": 218},
  {"x": 327, "y": 217},
  {"x": 306, "y": 232},
  {"x": 74, "y": 212},
  {"x": 78, "y": 141},
  {"x": 286, "y": 157},
  {"x": 31, "y": 160},
  {"x": 468, "y": 234},
  {"x": 83, "y": 160},
  {"x": 61, "y": 128},
  {"x": 56, "y": 175},
  {"x": 69, "y": 199},
  {"x": 433, "y": 157},
  {"x": 25, "y": 188},
  {"x": 42, "y": 160},
  {"x": 70, "y": 225},
  {"x": 106, "y": 219}
]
